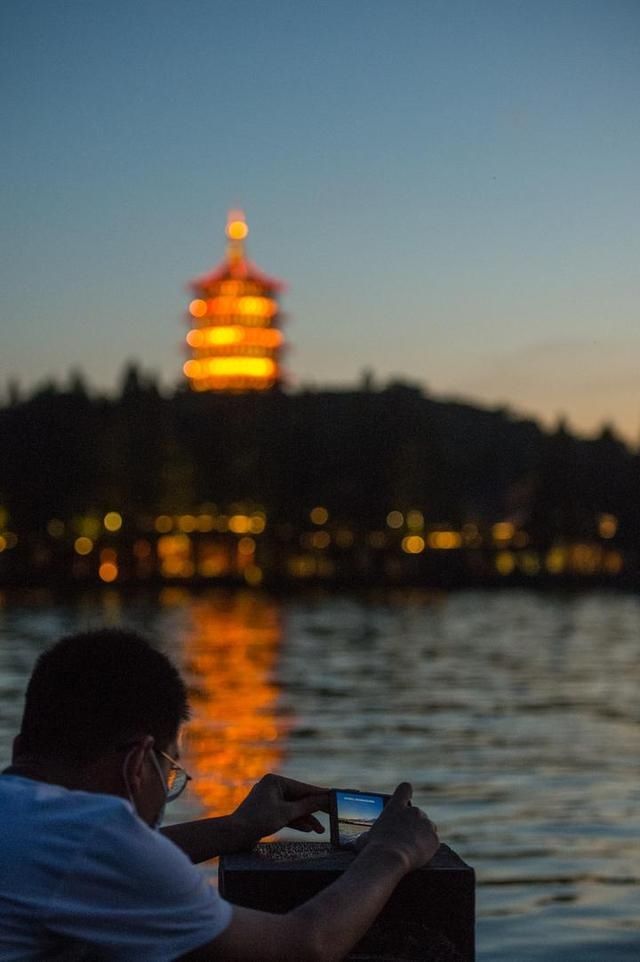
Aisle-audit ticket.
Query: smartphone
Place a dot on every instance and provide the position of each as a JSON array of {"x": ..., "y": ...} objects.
[{"x": 352, "y": 813}]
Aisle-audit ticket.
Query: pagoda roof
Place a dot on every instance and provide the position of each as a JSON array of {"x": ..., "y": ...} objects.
[{"x": 238, "y": 269}]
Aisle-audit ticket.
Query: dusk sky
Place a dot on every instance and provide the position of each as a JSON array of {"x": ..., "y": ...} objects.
[{"x": 451, "y": 189}]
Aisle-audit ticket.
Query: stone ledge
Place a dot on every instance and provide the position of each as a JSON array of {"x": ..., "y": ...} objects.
[{"x": 430, "y": 916}]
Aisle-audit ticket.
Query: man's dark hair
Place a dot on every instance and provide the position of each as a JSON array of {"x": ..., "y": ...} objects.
[{"x": 93, "y": 691}]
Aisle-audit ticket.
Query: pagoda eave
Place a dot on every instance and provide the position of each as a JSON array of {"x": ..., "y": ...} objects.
[{"x": 244, "y": 271}]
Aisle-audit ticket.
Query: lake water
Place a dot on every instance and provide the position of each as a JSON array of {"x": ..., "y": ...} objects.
[{"x": 515, "y": 715}]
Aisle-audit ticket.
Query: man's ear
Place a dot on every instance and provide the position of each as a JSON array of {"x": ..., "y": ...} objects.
[{"x": 135, "y": 761}]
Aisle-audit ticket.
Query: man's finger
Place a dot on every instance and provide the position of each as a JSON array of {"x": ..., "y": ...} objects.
[
  {"x": 299, "y": 825},
  {"x": 305, "y": 806},
  {"x": 292, "y": 789},
  {"x": 306, "y": 824},
  {"x": 402, "y": 795},
  {"x": 361, "y": 841}
]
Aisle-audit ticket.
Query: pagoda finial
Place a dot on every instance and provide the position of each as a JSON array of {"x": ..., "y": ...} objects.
[{"x": 236, "y": 231}]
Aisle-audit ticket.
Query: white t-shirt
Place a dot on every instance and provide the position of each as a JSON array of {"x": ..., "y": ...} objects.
[{"x": 81, "y": 869}]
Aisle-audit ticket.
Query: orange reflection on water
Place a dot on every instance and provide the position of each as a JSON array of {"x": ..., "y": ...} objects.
[{"x": 235, "y": 735}]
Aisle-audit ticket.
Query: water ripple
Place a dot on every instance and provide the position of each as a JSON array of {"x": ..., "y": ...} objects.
[{"x": 514, "y": 714}]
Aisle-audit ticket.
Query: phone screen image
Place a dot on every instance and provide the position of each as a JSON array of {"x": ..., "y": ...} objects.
[{"x": 355, "y": 814}]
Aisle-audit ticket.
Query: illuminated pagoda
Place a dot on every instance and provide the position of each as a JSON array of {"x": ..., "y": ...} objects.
[{"x": 235, "y": 340}]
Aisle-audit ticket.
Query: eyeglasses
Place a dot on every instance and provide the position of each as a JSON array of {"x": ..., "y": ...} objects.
[{"x": 176, "y": 778}]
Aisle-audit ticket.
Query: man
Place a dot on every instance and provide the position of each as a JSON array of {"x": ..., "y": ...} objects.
[{"x": 83, "y": 873}]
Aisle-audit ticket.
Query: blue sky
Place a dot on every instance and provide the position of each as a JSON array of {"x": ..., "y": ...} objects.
[{"x": 450, "y": 189}]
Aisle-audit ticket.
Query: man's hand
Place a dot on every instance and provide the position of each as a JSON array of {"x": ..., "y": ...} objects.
[
  {"x": 330, "y": 923},
  {"x": 404, "y": 829},
  {"x": 270, "y": 805},
  {"x": 275, "y": 802}
]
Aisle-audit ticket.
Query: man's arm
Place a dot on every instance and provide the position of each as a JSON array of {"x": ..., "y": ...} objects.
[
  {"x": 207, "y": 838},
  {"x": 270, "y": 805},
  {"x": 326, "y": 927}
]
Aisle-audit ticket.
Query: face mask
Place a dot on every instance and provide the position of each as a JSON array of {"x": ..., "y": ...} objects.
[
  {"x": 157, "y": 822},
  {"x": 159, "y": 817}
]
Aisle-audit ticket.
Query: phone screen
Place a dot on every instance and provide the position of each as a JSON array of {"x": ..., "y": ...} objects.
[{"x": 353, "y": 814}]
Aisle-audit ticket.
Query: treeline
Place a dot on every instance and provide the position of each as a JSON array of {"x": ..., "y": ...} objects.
[{"x": 360, "y": 454}]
